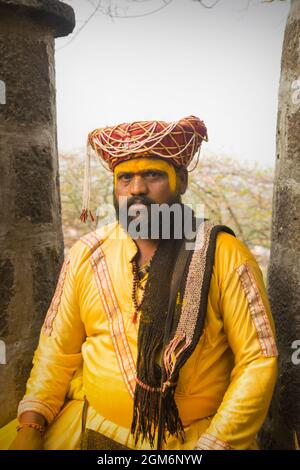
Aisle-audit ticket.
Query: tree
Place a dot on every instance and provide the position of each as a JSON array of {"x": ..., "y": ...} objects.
[{"x": 122, "y": 9}]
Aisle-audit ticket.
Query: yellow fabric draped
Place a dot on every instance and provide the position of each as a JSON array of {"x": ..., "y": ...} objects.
[{"x": 224, "y": 388}]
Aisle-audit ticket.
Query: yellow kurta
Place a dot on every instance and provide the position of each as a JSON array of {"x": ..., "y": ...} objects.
[{"x": 224, "y": 388}]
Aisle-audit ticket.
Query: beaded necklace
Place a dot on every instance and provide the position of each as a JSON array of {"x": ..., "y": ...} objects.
[{"x": 138, "y": 275}]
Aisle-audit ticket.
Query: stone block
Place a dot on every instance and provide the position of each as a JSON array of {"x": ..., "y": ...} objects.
[{"x": 34, "y": 191}]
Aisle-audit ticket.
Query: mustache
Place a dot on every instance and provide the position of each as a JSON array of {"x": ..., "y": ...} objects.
[{"x": 146, "y": 201}]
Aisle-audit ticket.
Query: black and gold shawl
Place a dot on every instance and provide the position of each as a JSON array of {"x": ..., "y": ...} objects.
[{"x": 170, "y": 329}]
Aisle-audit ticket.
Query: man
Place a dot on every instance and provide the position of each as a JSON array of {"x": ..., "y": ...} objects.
[{"x": 146, "y": 343}]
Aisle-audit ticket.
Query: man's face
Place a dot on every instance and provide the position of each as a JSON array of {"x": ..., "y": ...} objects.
[{"x": 142, "y": 182}]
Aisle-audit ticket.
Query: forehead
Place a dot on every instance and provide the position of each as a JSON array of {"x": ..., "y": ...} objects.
[{"x": 141, "y": 164}]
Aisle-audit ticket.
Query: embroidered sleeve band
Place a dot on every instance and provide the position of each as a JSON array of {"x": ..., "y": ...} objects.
[
  {"x": 258, "y": 312},
  {"x": 53, "y": 309},
  {"x": 39, "y": 406},
  {"x": 210, "y": 442}
]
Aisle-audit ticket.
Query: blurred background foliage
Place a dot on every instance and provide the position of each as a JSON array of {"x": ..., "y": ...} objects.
[{"x": 234, "y": 194}]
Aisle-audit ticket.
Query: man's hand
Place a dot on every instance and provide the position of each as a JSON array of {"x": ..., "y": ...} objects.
[{"x": 27, "y": 439}]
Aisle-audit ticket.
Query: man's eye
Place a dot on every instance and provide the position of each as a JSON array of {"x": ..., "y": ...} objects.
[
  {"x": 152, "y": 174},
  {"x": 125, "y": 177}
]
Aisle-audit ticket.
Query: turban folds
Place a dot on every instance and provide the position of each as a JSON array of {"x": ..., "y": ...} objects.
[{"x": 176, "y": 141}]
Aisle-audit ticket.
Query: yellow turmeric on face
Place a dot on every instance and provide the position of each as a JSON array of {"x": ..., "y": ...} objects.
[{"x": 141, "y": 164}]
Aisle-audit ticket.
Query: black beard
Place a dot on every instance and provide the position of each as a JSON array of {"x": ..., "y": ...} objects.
[{"x": 139, "y": 225}]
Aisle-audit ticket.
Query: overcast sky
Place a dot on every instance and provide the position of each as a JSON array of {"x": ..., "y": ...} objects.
[{"x": 221, "y": 64}]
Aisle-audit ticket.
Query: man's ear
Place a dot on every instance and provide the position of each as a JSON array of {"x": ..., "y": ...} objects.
[{"x": 182, "y": 180}]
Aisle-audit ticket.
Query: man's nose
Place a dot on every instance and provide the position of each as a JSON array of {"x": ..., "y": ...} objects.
[{"x": 138, "y": 186}]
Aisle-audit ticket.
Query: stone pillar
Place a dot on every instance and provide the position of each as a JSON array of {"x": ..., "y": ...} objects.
[
  {"x": 31, "y": 240},
  {"x": 282, "y": 429}
]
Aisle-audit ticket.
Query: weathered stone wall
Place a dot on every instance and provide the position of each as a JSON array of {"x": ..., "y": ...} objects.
[
  {"x": 31, "y": 241},
  {"x": 284, "y": 271}
]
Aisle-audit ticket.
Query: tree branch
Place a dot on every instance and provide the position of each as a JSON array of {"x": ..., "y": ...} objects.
[{"x": 208, "y": 6}]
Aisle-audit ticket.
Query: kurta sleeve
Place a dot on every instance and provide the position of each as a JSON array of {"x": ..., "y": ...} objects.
[
  {"x": 58, "y": 354},
  {"x": 249, "y": 328}
]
